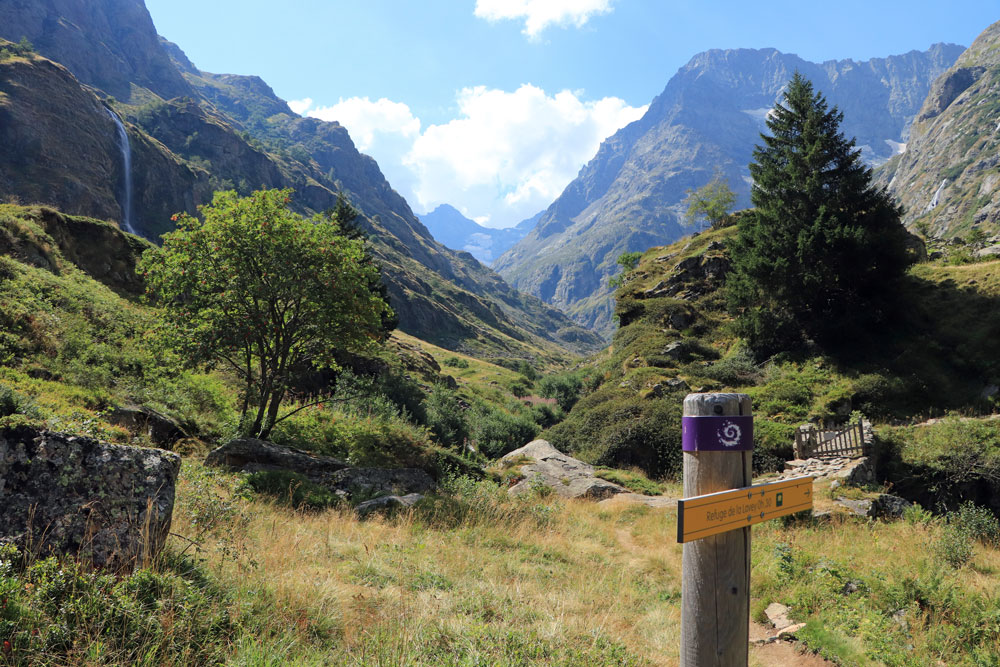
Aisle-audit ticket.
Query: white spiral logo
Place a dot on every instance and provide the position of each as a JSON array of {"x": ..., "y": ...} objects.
[{"x": 730, "y": 434}]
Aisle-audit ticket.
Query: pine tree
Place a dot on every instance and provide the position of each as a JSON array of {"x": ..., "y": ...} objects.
[{"x": 818, "y": 255}]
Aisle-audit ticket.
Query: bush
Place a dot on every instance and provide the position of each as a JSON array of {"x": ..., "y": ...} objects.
[
  {"x": 978, "y": 522},
  {"x": 954, "y": 545},
  {"x": 564, "y": 387},
  {"x": 614, "y": 428},
  {"x": 497, "y": 432},
  {"x": 445, "y": 417},
  {"x": 456, "y": 362}
]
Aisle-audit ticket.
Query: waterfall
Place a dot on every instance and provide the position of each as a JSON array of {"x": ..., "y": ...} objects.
[{"x": 126, "y": 150}]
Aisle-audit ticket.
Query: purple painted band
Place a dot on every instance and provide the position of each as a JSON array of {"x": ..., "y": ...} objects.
[{"x": 717, "y": 434}]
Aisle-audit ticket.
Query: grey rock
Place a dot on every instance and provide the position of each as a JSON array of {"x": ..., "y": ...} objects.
[
  {"x": 386, "y": 504},
  {"x": 778, "y": 615},
  {"x": 888, "y": 506},
  {"x": 859, "y": 507},
  {"x": 160, "y": 429},
  {"x": 252, "y": 455},
  {"x": 678, "y": 384},
  {"x": 109, "y": 505},
  {"x": 990, "y": 391},
  {"x": 858, "y": 473},
  {"x": 991, "y": 251},
  {"x": 935, "y": 254},
  {"x": 674, "y": 350},
  {"x": 566, "y": 476}
]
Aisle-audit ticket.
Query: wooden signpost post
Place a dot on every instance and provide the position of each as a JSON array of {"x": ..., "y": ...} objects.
[{"x": 713, "y": 522}]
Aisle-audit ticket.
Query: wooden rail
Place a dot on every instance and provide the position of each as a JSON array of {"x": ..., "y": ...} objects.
[{"x": 811, "y": 442}]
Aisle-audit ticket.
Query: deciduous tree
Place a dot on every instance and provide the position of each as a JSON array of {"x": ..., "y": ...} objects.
[{"x": 256, "y": 287}]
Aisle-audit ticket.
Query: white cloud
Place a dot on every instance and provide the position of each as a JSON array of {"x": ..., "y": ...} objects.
[
  {"x": 505, "y": 157},
  {"x": 539, "y": 14},
  {"x": 300, "y": 106},
  {"x": 366, "y": 120},
  {"x": 510, "y": 154}
]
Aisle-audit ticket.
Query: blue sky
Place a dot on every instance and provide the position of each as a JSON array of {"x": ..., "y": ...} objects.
[{"x": 494, "y": 105}]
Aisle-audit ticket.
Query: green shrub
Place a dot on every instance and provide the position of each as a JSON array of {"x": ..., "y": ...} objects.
[
  {"x": 13, "y": 403},
  {"x": 564, "y": 387},
  {"x": 614, "y": 428},
  {"x": 954, "y": 545},
  {"x": 445, "y": 417},
  {"x": 456, "y": 362},
  {"x": 497, "y": 432},
  {"x": 978, "y": 522},
  {"x": 736, "y": 370}
]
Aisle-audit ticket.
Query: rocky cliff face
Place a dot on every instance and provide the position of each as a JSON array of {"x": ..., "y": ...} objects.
[
  {"x": 190, "y": 133},
  {"x": 949, "y": 177},
  {"x": 110, "y": 44},
  {"x": 710, "y": 115}
]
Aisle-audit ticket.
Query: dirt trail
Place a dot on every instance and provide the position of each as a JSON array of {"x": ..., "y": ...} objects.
[{"x": 775, "y": 654}]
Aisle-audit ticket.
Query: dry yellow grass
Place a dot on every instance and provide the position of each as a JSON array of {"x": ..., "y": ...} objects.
[{"x": 575, "y": 583}]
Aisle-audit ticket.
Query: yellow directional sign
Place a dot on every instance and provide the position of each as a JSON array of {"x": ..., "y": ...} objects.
[{"x": 715, "y": 513}]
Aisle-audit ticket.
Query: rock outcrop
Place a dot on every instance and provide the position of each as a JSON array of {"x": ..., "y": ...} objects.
[
  {"x": 948, "y": 178},
  {"x": 109, "y": 505},
  {"x": 541, "y": 464}
]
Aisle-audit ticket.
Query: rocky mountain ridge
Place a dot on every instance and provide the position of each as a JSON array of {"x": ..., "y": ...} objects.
[
  {"x": 948, "y": 180},
  {"x": 629, "y": 196},
  {"x": 454, "y": 230}
]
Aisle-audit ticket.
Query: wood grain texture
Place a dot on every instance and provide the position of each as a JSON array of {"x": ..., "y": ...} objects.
[{"x": 715, "y": 572}]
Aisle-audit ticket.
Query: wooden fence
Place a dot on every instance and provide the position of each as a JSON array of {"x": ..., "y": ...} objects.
[{"x": 811, "y": 442}]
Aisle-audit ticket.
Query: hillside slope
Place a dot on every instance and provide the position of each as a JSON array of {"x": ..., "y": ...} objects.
[
  {"x": 629, "y": 196},
  {"x": 675, "y": 337},
  {"x": 949, "y": 177}
]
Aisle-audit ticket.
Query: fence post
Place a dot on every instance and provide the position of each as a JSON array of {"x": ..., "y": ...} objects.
[{"x": 715, "y": 571}]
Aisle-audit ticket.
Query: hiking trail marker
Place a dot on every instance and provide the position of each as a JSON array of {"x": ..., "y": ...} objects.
[
  {"x": 720, "y": 512},
  {"x": 713, "y": 523}
]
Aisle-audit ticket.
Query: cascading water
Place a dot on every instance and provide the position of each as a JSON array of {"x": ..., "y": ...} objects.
[{"x": 126, "y": 149}]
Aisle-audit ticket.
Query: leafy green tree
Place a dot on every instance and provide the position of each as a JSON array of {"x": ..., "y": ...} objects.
[
  {"x": 712, "y": 201},
  {"x": 265, "y": 292},
  {"x": 628, "y": 261},
  {"x": 818, "y": 255}
]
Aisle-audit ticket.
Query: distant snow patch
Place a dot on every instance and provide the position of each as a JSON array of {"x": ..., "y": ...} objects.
[
  {"x": 897, "y": 147},
  {"x": 937, "y": 195}
]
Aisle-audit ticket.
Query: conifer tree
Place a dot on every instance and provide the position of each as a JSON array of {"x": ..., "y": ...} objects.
[{"x": 818, "y": 255}]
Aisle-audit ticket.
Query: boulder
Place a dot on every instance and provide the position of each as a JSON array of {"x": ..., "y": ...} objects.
[
  {"x": 988, "y": 252},
  {"x": 65, "y": 495},
  {"x": 567, "y": 477},
  {"x": 160, "y": 429},
  {"x": 386, "y": 504},
  {"x": 252, "y": 455},
  {"x": 888, "y": 506},
  {"x": 859, "y": 472}
]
